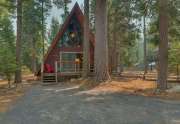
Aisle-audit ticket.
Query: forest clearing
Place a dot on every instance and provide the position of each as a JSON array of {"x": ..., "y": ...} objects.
[
  {"x": 89, "y": 61},
  {"x": 67, "y": 104},
  {"x": 123, "y": 85}
]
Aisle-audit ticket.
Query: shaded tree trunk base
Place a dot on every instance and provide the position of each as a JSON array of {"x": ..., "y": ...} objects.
[
  {"x": 102, "y": 77},
  {"x": 18, "y": 78}
]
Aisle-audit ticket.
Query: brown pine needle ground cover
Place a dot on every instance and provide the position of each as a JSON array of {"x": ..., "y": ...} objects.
[
  {"x": 124, "y": 85},
  {"x": 127, "y": 86}
]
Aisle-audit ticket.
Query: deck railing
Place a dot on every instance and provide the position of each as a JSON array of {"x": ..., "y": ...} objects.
[
  {"x": 70, "y": 67},
  {"x": 67, "y": 67}
]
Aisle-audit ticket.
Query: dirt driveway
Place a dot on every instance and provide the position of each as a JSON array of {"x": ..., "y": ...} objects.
[{"x": 68, "y": 105}]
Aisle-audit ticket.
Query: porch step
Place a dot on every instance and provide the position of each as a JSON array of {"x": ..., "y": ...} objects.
[{"x": 49, "y": 79}]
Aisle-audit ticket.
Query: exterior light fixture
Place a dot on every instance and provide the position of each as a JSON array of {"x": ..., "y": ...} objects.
[{"x": 72, "y": 35}]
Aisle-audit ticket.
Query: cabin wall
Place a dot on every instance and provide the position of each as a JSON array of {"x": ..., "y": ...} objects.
[{"x": 54, "y": 55}]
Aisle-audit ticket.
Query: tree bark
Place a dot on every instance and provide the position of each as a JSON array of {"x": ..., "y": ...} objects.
[
  {"x": 145, "y": 46},
  {"x": 163, "y": 45},
  {"x": 18, "y": 42},
  {"x": 114, "y": 53},
  {"x": 177, "y": 69},
  {"x": 43, "y": 49},
  {"x": 86, "y": 45},
  {"x": 33, "y": 64},
  {"x": 113, "y": 49},
  {"x": 101, "y": 44}
]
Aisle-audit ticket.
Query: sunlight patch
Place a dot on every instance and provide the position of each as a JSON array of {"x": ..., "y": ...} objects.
[
  {"x": 49, "y": 89},
  {"x": 176, "y": 121},
  {"x": 93, "y": 98},
  {"x": 67, "y": 89}
]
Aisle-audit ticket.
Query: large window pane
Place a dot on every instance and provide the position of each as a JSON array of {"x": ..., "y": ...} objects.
[{"x": 70, "y": 62}]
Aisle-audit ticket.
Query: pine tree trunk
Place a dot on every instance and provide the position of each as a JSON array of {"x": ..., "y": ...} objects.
[
  {"x": 18, "y": 42},
  {"x": 163, "y": 45},
  {"x": 86, "y": 45},
  {"x": 119, "y": 62},
  {"x": 110, "y": 59},
  {"x": 114, "y": 54},
  {"x": 33, "y": 64},
  {"x": 145, "y": 46},
  {"x": 101, "y": 44},
  {"x": 177, "y": 69}
]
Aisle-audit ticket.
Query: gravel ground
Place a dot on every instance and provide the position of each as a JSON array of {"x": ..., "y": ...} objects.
[{"x": 65, "y": 105}]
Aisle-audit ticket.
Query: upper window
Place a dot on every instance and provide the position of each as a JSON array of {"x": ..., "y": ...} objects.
[{"x": 73, "y": 34}]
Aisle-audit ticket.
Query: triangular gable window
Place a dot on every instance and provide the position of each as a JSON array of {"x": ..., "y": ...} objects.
[{"x": 72, "y": 37}]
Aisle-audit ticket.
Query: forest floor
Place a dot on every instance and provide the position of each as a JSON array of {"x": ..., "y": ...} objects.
[
  {"x": 135, "y": 86},
  {"x": 68, "y": 104},
  {"x": 108, "y": 103},
  {"x": 9, "y": 95}
]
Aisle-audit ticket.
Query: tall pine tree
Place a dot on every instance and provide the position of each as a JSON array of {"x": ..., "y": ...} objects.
[{"x": 101, "y": 44}]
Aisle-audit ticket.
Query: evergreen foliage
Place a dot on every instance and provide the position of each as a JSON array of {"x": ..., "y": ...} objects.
[
  {"x": 7, "y": 52},
  {"x": 54, "y": 28},
  {"x": 32, "y": 30}
]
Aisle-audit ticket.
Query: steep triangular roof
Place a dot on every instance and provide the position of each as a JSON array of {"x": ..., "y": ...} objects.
[{"x": 78, "y": 13}]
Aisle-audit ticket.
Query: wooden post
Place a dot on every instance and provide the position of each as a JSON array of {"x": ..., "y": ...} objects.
[
  {"x": 177, "y": 72},
  {"x": 56, "y": 71},
  {"x": 42, "y": 64},
  {"x": 42, "y": 71},
  {"x": 75, "y": 67},
  {"x": 89, "y": 67}
]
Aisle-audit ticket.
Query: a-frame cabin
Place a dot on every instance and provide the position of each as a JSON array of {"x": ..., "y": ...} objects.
[{"x": 65, "y": 54}]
